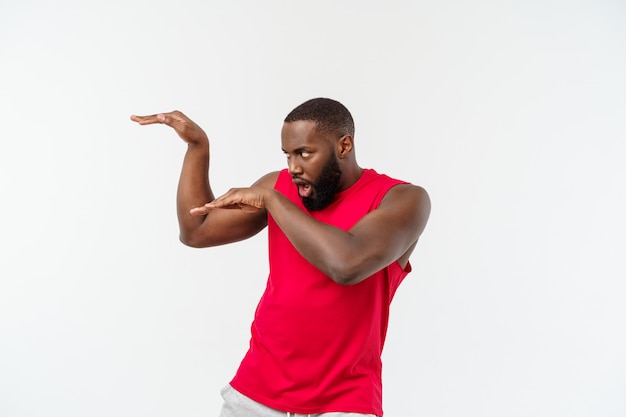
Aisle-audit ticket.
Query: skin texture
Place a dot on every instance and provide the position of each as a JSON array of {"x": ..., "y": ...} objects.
[{"x": 381, "y": 237}]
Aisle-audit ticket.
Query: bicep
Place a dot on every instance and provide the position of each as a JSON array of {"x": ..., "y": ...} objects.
[{"x": 385, "y": 234}]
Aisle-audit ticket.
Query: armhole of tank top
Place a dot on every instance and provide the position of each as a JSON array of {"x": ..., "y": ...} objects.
[
  {"x": 381, "y": 195},
  {"x": 379, "y": 198},
  {"x": 282, "y": 181}
]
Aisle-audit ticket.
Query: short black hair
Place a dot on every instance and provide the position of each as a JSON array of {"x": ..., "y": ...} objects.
[{"x": 329, "y": 115}]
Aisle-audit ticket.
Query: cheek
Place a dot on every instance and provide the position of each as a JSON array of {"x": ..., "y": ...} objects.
[{"x": 313, "y": 167}]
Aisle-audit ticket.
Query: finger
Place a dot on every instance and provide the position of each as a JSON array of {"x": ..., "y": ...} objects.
[
  {"x": 174, "y": 118},
  {"x": 221, "y": 204},
  {"x": 231, "y": 206},
  {"x": 206, "y": 208},
  {"x": 146, "y": 120},
  {"x": 198, "y": 211},
  {"x": 247, "y": 208}
]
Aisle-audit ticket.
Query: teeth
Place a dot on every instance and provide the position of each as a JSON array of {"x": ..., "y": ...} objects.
[{"x": 304, "y": 190}]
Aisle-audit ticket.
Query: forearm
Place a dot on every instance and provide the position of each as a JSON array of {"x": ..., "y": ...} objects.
[
  {"x": 379, "y": 238},
  {"x": 330, "y": 249},
  {"x": 193, "y": 188},
  {"x": 201, "y": 229}
]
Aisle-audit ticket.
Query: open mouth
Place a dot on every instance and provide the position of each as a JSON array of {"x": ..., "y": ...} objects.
[{"x": 305, "y": 190}]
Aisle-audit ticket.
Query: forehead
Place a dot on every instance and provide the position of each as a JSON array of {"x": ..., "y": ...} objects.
[{"x": 299, "y": 134}]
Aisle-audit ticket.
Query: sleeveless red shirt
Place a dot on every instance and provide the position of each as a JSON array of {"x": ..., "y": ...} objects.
[{"x": 316, "y": 345}]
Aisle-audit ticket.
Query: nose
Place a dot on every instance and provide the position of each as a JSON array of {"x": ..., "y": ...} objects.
[{"x": 293, "y": 167}]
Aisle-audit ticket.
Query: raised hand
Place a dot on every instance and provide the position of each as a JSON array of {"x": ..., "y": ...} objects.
[
  {"x": 189, "y": 131},
  {"x": 194, "y": 190}
]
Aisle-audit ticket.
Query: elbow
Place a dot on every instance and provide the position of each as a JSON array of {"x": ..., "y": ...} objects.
[
  {"x": 345, "y": 275},
  {"x": 192, "y": 241},
  {"x": 353, "y": 269},
  {"x": 346, "y": 280}
]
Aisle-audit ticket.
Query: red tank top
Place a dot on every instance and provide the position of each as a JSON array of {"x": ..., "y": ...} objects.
[{"x": 316, "y": 345}]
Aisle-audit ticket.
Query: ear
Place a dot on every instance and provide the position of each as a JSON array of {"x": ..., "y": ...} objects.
[{"x": 345, "y": 145}]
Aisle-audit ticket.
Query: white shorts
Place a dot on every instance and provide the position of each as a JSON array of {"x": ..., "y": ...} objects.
[{"x": 238, "y": 405}]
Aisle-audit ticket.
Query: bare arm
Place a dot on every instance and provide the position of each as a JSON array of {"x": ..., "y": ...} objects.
[
  {"x": 383, "y": 236},
  {"x": 194, "y": 189}
]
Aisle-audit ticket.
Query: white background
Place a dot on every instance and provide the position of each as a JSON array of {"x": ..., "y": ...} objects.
[{"x": 511, "y": 114}]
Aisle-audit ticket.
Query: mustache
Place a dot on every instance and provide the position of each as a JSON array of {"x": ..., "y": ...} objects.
[{"x": 298, "y": 180}]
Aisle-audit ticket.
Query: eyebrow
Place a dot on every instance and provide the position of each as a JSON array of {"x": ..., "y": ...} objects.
[{"x": 300, "y": 149}]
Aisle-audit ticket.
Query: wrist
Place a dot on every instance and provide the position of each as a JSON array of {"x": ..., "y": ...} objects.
[
  {"x": 201, "y": 144},
  {"x": 269, "y": 197}
]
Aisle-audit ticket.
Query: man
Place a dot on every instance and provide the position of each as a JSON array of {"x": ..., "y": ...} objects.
[{"x": 340, "y": 238}]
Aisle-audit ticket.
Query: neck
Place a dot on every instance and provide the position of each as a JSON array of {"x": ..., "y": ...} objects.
[{"x": 349, "y": 175}]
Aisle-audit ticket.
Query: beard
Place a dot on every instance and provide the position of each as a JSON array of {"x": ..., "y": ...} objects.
[{"x": 325, "y": 187}]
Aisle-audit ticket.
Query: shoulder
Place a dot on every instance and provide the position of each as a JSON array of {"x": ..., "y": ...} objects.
[
  {"x": 406, "y": 191},
  {"x": 268, "y": 180},
  {"x": 396, "y": 190},
  {"x": 410, "y": 196}
]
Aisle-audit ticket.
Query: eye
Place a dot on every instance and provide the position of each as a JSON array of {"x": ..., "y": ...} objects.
[{"x": 305, "y": 154}]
